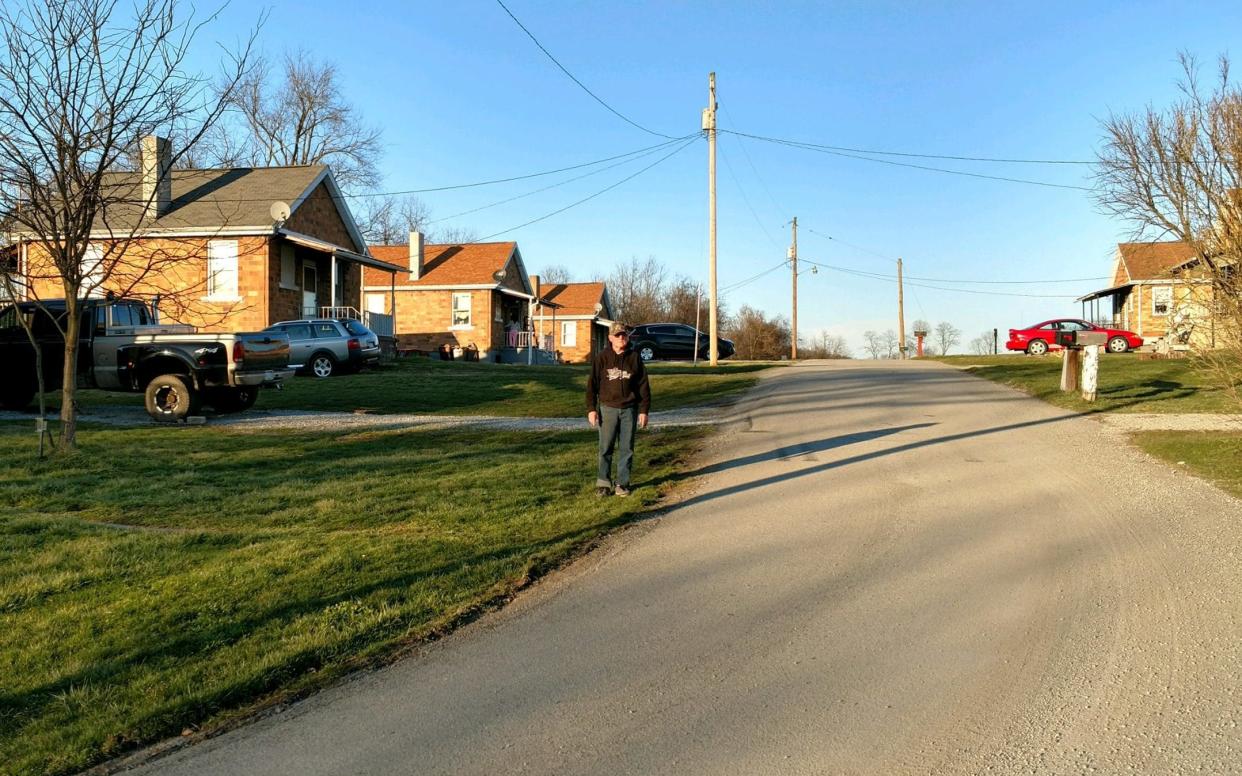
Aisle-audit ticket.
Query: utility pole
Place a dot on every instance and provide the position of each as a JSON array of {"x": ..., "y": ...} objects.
[
  {"x": 709, "y": 125},
  {"x": 901, "y": 314},
  {"x": 793, "y": 261}
]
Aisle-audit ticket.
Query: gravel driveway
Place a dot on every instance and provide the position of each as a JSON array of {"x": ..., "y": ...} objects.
[{"x": 306, "y": 420}]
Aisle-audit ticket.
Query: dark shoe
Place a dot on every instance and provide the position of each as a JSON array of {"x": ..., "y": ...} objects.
[
  {"x": 601, "y": 491},
  {"x": 622, "y": 491}
]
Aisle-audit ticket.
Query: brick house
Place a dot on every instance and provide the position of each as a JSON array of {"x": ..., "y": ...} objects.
[
  {"x": 230, "y": 249},
  {"x": 1158, "y": 291},
  {"x": 474, "y": 296},
  {"x": 580, "y": 322}
]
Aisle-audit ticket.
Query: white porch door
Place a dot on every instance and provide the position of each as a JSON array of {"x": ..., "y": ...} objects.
[{"x": 310, "y": 299}]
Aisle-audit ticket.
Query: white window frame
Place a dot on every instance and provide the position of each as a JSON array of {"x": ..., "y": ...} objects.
[
  {"x": 570, "y": 327},
  {"x": 93, "y": 271},
  {"x": 288, "y": 267},
  {"x": 222, "y": 271},
  {"x": 456, "y": 308},
  {"x": 1156, "y": 293}
]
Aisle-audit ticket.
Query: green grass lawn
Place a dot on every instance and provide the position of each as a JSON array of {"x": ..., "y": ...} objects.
[
  {"x": 1127, "y": 384},
  {"x": 457, "y": 388},
  {"x": 1213, "y": 455},
  {"x": 164, "y": 579}
]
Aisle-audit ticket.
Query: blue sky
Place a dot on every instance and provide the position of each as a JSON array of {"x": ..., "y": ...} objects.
[{"x": 462, "y": 94}]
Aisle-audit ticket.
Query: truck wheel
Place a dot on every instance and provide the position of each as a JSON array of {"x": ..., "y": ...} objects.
[
  {"x": 227, "y": 400},
  {"x": 171, "y": 398},
  {"x": 17, "y": 396},
  {"x": 322, "y": 365}
]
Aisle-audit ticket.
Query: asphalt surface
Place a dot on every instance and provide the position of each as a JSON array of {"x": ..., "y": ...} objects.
[{"x": 885, "y": 568}]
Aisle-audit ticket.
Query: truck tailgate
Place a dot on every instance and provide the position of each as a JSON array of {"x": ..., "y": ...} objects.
[{"x": 261, "y": 351}]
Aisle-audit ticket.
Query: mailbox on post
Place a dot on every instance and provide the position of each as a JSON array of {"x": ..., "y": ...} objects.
[{"x": 1084, "y": 338}]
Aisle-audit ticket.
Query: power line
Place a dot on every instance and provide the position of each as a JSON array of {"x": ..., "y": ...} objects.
[
  {"x": 567, "y": 181},
  {"x": 673, "y": 153},
  {"x": 846, "y": 149},
  {"x": 893, "y": 279},
  {"x": 581, "y": 85},
  {"x": 742, "y": 190},
  {"x": 824, "y": 150},
  {"x": 947, "y": 280},
  {"x": 753, "y": 278}
]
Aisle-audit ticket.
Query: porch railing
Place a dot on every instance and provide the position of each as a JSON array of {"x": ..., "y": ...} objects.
[
  {"x": 526, "y": 339},
  {"x": 380, "y": 323}
]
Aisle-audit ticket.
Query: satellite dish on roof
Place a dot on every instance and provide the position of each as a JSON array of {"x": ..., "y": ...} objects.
[
  {"x": 280, "y": 211},
  {"x": 498, "y": 275},
  {"x": 599, "y": 308}
]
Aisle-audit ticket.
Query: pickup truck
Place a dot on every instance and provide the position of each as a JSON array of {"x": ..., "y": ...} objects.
[{"x": 122, "y": 347}]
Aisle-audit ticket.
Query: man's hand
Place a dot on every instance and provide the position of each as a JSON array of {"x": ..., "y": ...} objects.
[
  {"x": 642, "y": 420},
  {"x": 593, "y": 418}
]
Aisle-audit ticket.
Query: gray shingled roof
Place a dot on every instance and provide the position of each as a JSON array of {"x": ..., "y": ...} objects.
[{"x": 213, "y": 199}]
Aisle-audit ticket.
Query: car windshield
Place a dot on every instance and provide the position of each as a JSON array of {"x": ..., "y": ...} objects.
[{"x": 355, "y": 328}]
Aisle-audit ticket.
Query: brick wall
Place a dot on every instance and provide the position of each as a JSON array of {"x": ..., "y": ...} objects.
[
  {"x": 318, "y": 216},
  {"x": 176, "y": 269},
  {"x": 423, "y": 319}
]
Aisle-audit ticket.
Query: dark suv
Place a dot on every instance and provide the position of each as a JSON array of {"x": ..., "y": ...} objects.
[{"x": 673, "y": 340}]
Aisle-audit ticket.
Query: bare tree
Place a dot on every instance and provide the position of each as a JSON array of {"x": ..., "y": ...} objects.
[
  {"x": 80, "y": 82},
  {"x": 1177, "y": 173},
  {"x": 388, "y": 220},
  {"x": 947, "y": 335},
  {"x": 756, "y": 336},
  {"x": 873, "y": 343},
  {"x": 982, "y": 345},
  {"x": 295, "y": 113},
  {"x": 556, "y": 273},
  {"x": 824, "y": 345},
  {"x": 890, "y": 342},
  {"x": 635, "y": 289}
]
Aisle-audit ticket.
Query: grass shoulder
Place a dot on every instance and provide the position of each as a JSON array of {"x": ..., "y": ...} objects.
[
  {"x": 1215, "y": 456},
  {"x": 1127, "y": 384},
  {"x": 456, "y": 388},
  {"x": 164, "y": 579}
]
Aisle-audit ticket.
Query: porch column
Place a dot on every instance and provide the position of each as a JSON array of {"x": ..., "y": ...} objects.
[
  {"x": 530, "y": 334},
  {"x": 332, "y": 289}
]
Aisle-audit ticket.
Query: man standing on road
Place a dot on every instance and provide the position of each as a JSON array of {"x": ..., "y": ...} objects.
[{"x": 618, "y": 397}]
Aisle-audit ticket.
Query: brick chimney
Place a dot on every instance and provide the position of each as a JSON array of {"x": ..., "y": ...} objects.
[
  {"x": 416, "y": 255},
  {"x": 156, "y": 164}
]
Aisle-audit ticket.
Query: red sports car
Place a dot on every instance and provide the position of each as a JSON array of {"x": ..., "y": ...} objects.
[{"x": 1042, "y": 337}]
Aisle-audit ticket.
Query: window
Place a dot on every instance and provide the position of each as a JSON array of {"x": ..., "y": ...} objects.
[
  {"x": 461, "y": 310},
  {"x": 127, "y": 315},
  {"x": 1161, "y": 300},
  {"x": 569, "y": 334},
  {"x": 222, "y": 270},
  {"x": 93, "y": 271},
  {"x": 355, "y": 328},
  {"x": 377, "y": 303},
  {"x": 288, "y": 267},
  {"x": 298, "y": 331},
  {"x": 326, "y": 329}
]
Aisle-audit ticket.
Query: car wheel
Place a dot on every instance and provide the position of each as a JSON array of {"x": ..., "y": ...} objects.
[
  {"x": 1037, "y": 347},
  {"x": 322, "y": 365},
  {"x": 170, "y": 398},
  {"x": 227, "y": 400},
  {"x": 1118, "y": 345},
  {"x": 647, "y": 351}
]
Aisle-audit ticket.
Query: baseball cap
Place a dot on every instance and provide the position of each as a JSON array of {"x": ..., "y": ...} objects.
[{"x": 617, "y": 328}]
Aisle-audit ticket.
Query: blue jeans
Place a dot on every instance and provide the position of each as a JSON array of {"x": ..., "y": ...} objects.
[{"x": 616, "y": 430}]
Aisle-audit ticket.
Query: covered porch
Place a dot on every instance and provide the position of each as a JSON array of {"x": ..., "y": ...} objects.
[
  {"x": 1108, "y": 307},
  {"x": 331, "y": 283}
]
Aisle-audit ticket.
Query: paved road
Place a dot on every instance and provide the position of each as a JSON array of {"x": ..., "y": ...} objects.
[{"x": 886, "y": 568}]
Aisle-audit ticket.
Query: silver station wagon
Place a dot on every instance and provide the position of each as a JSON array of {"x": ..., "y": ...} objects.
[{"x": 325, "y": 346}]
